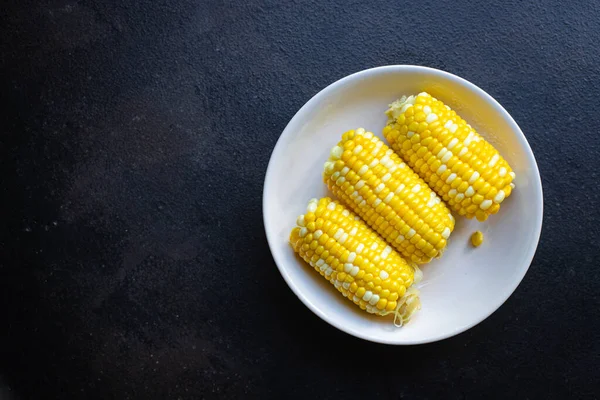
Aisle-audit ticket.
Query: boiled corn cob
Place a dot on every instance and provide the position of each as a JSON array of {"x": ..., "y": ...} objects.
[
  {"x": 356, "y": 260},
  {"x": 462, "y": 167},
  {"x": 370, "y": 178}
]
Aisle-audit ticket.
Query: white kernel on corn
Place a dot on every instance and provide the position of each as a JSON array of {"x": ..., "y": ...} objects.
[
  {"x": 384, "y": 275},
  {"x": 374, "y": 163},
  {"x": 353, "y": 231},
  {"x": 367, "y": 296},
  {"x": 388, "y": 152},
  {"x": 447, "y": 157},
  {"x": 300, "y": 221},
  {"x": 442, "y": 152},
  {"x": 427, "y": 110},
  {"x": 355, "y": 299},
  {"x": 470, "y": 191},
  {"x": 462, "y": 151},
  {"x": 402, "y": 165},
  {"x": 474, "y": 177},
  {"x": 469, "y": 139},
  {"x": 312, "y": 206},
  {"x": 411, "y": 233},
  {"x": 431, "y": 118},
  {"x": 351, "y": 257},
  {"x": 374, "y": 299},
  {"x": 360, "y": 131},
  {"x": 500, "y": 196},
  {"x": 346, "y": 285},
  {"x": 400, "y": 238},
  {"x": 459, "y": 197},
  {"x": 384, "y": 160},
  {"x": 400, "y": 188},
  {"x": 512, "y": 185},
  {"x": 348, "y": 267},
  {"x": 360, "y": 184},
  {"x": 328, "y": 167},
  {"x": 368, "y": 135},
  {"x": 416, "y": 188},
  {"x": 354, "y": 194},
  {"x": 318, "y": 234},
  {"x": 452, "y": 143},
  {"x": 431, "y": 202},
  {"x": 346, "y": 213},
  {"x": 512, "y": 174},
  {"x": 357, "y": 149},
  {"x": 335, "y": 175},
  {"x": 502, "y": 172},
  {"x": 328, "y": 271},
  {"x": 344, "y": 171},
  {"x": 336, "y": 152},
  {"x": 331, "y": 206},
  {"x": 441, "y": 169},
  {"x": 386, "y": 177},
  {"x": 303, "y": 232},
  {"x": 320, "y": 262},
  {"x": 452, "y": 192},
  {"x": 494, "y": 160},
  {"x": 448, "y": 124},
  {"x": 453, "y": 128},
  {"x": 363, "y": 170},
  {"x": 362, "y": 203},
  {"x": 446, "y": 233},
  {"x": 340, "y": 180},
  {"x": 409, "y": 134},
  {"x": 388, "y": 198},
  {"x": 377, "y": 202},
  {"x": 386, "y": 252},
  {"x": 374, "y": 246},
  {"x": 338, "y": 234},
  {"x": 323, "y": 267},
  {"x": 451, "y": 178},
  {"x": 360, "y": 248},
  {"x": 485, "y": 204},
  {"x": 343, "y": 238},
  {"x": 354, "y": 271},
  {"x": 447, "y": 107}
]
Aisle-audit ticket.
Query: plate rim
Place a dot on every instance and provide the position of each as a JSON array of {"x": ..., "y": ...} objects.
[{"x": 365, "y": 73}]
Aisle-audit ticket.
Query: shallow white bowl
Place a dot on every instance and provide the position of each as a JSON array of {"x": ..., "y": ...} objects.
[{"x": 465, "y": 285}]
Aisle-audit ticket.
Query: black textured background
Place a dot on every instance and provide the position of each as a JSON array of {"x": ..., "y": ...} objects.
[{"x": 134, "y": 141}]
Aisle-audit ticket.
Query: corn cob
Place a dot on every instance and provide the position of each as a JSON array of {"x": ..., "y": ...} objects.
[
  {"x": 372, "y": 180},
  {"x": 356, "y": 260},
  {"x": 462, "y": 167}
]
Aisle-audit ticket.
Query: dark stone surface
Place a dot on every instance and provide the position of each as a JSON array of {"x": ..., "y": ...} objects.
[{"x": 134, "y": 141}]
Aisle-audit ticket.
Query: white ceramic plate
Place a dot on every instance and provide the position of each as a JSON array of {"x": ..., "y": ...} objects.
[{"x": 465, "y": 285}]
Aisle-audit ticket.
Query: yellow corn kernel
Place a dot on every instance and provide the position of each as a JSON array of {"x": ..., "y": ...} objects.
[
  {"x": 477, "y": 238},
  {"x": 454, "y": 150},
  {"x": 357, "y": 261},
  {"x": 389, "y": 196}
]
